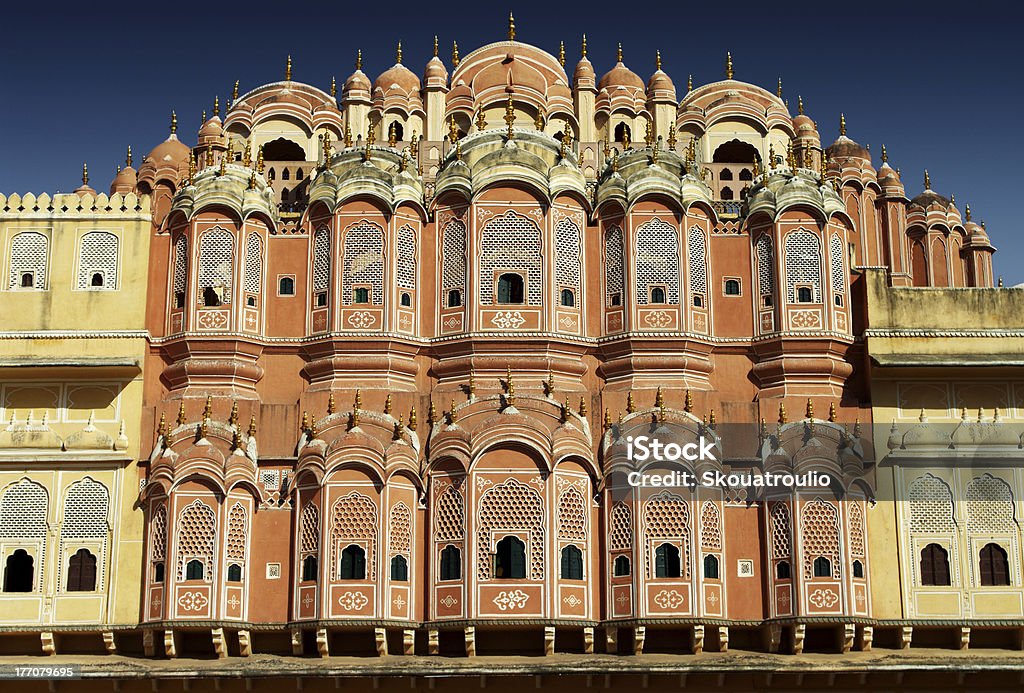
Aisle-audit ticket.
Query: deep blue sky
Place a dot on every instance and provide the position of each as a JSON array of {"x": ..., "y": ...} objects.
[{"x": 939, "y": 83}]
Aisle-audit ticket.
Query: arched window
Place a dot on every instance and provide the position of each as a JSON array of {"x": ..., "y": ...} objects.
[
  {"x": 309, "y": 568},
  {"x": 321, "y": 266},
  {"x": 194, "y": 570},
  {"x": 623, "y": 133},
  {"x": 361, "y": 295},
  {"x": 666, "y": 561},
  {"x": 572, "y": 563},
  {"x": 657, "y": 295},
  {"x": 234, "y": 573},
  {"x": 29, "y": 251},
  {"x": 97, "y": 257},
  {"x": 804, "y": 295},
  {"x": 353, "y": 563},
  {"x": 711, "y": 567},
  {"x": 399, "y": 569},
  {"x": 216, "y": 266},
  {"x": 285, "y": 175},
  {"x": 726, "y": 193},
  {"x": 363, "y": 263},
  {"x": 803, "y": 264},
  {"x": 27, "y": 279},
  {"x": 621, "y": 567},
  {"x": 511, "y": 288},
  {"x": 406, "y": 299},
  {"x": 283, "y": 150},
  {"x": 782, "y": 570},
  {"x": 286, "y": 287},
  {"x": 270, "y": 174},
  {"x": 96, "y": 281},
  {"x": 732, "y": 287},
  {"x": 180, "y": 270},
  {"x": 454, "y": 298},
  {"x": 726, "y": 174},
  {"x": 746, "y": 174},
  {"x": 568, "y": 298},
  {"x": 510, "y": 559},
  {"x": 451, "y": 563},
  {"x": 453, "y": 263},
  {"x": 82, "y": 571},
  {"x": 210, "y": 297},
  {"x": 298, "y": 174},
  {"x": 934, "y": 565},
  {"x": 822, "y": 567},
  {"x": 158, "y": 571},
  {"x": 399, "y": 131},
  {"x": 18, "y": 572},
  {"x": 858, "y": 569},
  {"x": 995, "y": 569}
]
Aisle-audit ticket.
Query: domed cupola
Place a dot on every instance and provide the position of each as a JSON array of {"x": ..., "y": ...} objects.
[
  {"x": 803, "y": 126},
  {"x": 929, "y": 197},
  {"x": 845, "y": 148},
  {"x": 584, "y": 77},
  {"x": 435, "y": 75},
  {"x": 398, "y": 78},
  {"x": 621, "y": 77},
  {"x": 85, "y": 188},
  {"x": 126, "y": 178},
  {"x": 167, "y": 160},
  {"x": 358, "y": 84},
  {"x": 660, "y": 87},
  {"x": 889, "y": 178}
]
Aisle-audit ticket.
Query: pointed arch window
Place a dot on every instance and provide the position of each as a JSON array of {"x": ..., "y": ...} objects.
[
  {"x": 666, "y": 561},
  {"x": 994, "y": 565},
  {"x": 572, "y": 563},
  {"x": 353, "y": 563},
  {"x": 621, "y": 566},
  {"x": 399, "y": 569},
  {"x": 510, "y": 559},
  {"x": 18, "y": 572},
  {"x": 710, "y": 567},
  {"x": 82, "y": 571},
  {"x": 451, "y": 563},
  {"x": 934, "y": 566}
]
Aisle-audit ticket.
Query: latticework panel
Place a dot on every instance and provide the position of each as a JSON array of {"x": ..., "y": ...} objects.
[
  {"x": 85, "y": 511},
  {"x": 657, "y": 260},
  {"x": 355, "y": 520},
  {"x": 622, "y": 527},
  {"x": 309, "y": 529},
  {"x": 819, "y": 530},
  {"x": 697, "y": 248},
  {"x": 803, "y": 264},
  {"x": 23, "y": 511},
  {"x": 237, "y": 533},
  {"x": 614, "y": 271},
  {"x": 667, "y": 518},
  {"x": 710, "y": 526},
  {"x": 511, "y": 242},
  {"x": 515, "y": 507},
  {"x": 321, "y": 260},
  {"x": 406, "y": 269},
  {"x": 158, "y": 533},
  {"x": 28, "y": 254},
  {"x": 856, "y": 520},
  {"x": 781, "y": 537},
  {"x": 253, "y": 264},
  {"x": 180, "y": 263},
  {"x": 568, "y": 252},
  {"x": 930, "y": 505},
  {"x": 400, "y": 529},
  {"x": 765, "y": 265},
  {"x": 216, "y": 261},
  {"x": 196, "y": 533},
  {"x": 98, "y": 253},
  {"x": 363, "y": 261},
  {"x": 572, "y": 515},
  {"x": 835, "y": 257},
  {"x": 989, "y": 506},
  {"x": 453, "y": 260},
  {"x": 449, "y": 516}
]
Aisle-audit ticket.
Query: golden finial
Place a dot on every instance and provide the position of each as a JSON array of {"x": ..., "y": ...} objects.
[
  {"x": 481, "y": 121},
  {"x": 234, "y": 92},
  {"x": 999, "y": 284},
  {"x": 247, "y": 154},
  {"x": 807, "y": 161},
  {"x": 885, "y": 155},
  {"x": 334, "y": 87},
  {"x": 728, "y": 66},
  {"x": 763, "y": 429},
  {"x": 782, "y": 412},
  {"x": 952, "y": 198},
  {"x": 538, "y": 121},
  {"x": 583, "y": 47},
  {"x": 371, "y": 134},
  {"x": 204, "y": 427},
  {"x": 630, "y": 404},
  {"x": 181, "y": 414},
  {"x": 627, "y": 141},
  {"x": 174, "y": 122},
  {"x": 128, "y": 157},
  {"x": 688, "y": 402},
  {"x": 561, "y": 53},
  {"x": 223, "y": 165},
  {"x": 832, "y": 412},
  {"x": 236, "y": 440},
  {"x": 607, "y": 419},
  {"x": 790, "y": 156},
  {"x": 259, "y": 160},
  {"x": 312, "y": 428},
  {"x": 288, "y": 70},
  {"x": 657, "y": 60},
  {"x": 615, "y": 162},
  {"x": 824, "y": 165},
  {"x": 648, "y": 134},
  {"x": 778, "y": 89},
  {"x": 800, "y": 104},
  {"x": 85, "y": 174},
  {"x": 348, "y": 135},
  {"x": 511, "y": 27},
  {"x": 583, "y": 406},
  {"x": 202, "y": 118},
  {"x": 331, "y": 407},
  {"x": 842, "y": 125},
  {"x": 414, "y": 144},
  {"x": 216, "y": 106},
  {"x": 757, "y": 168},
  {"x": 550, "y": 385},
  {"x": 161, "y": 430},
  {"x": 856, "y": 428},
  {"x": 252, "y": 181},
  {"x": 809, "y": 409},
  {"x": 566, "y": 139},
  {"x": 435, "y": 51},
  {"x": 689, "y": 84},
  {"x": 458, "y": 150},
  {"x": 712, "y": 422},
  {"x": 967, "y": 212},
  {"x": 455, "y": 53},
  {"x": 328, "y": 149},
  {"x": 661, "y": 414},
  {"x": 618, "y": 52},
  {"x": 453, "y": 130},
  {"x": 431, "y": 413},
  {"x": 412, "y": 418},
  {"x": 659, "y": 398},
  {"x": 358, "y": 402},
  {"x": 472, "y": 383},
  {"x": 392, "y": 134},
  {"x": 399, "y": 425},
  {"x": 387, "y": 404},
  {"x": 353, "y": 419},
  {"x": 607, "y": 149},
  {"x": 510, "y": 117},
  {"x": 359, "y": 59},
  {"x": 233, "y": 416},
  {"x": 208, "y": 407},
  {"x": 304, "y": 426},
  {"x": 398, "y": 54},
  {"x": 927, "y": 180},
  {"x": 565, "y": 410},
  {"x": 672, "y": 137},
  {"x": 453, "y": 415}
]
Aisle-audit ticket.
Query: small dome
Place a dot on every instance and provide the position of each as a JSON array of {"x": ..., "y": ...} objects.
[
  {"x": 584, "y": 71},
  {"x": 928, "y": 198},
  {"x": 124, "y": 181},
  {"x": 435, "y": 70},
  {"x": 211, "y": 130},
  {"x": 660, "y": 80},
  {"x": 397, "y": 75},
  {"x": 171, "y": 151},
  {"x": 804, "y": 124},
  {"x": 844, "y": 147},
  {"x": 357, "y": 81},
  {"x": 621, "y": 76}
]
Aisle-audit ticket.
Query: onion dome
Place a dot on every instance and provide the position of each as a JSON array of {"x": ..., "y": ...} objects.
[
  {"x": 621, "y": 76},
  {"x": 844, "y": 147},
  {"x": 357, "y": 81},
  {"x": 929, "y": 197},
  {"x": 435, "y": 74},
  {"x": 169, "y": 157},
  {"x": 398, "y": 76},
  {"x": 974, "y": 230},
  {"x": 660, "y": 85},
  {"x": 802, "y": 124},
  {"x": 584, "y": 77},
  {"x": 212, "y": 132},
  {"x": 126, "y": 178},
  {"x": 886, "y": 173},
  {"x": 84, "y": 188}
]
